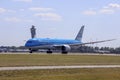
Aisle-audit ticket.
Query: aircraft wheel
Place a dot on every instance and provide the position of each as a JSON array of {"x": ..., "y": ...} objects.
[
  {"x": 65, "y": 52},
  {"x": 31, "y": 51},
  {"x": 49, "y": 52}
]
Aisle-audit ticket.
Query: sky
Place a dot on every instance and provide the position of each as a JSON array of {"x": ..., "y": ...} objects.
[{"x": 59, "y": 19}]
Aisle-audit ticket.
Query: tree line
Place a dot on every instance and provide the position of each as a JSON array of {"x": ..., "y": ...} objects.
[
  {"x": 90, "y": 49},
  {"x": 82, "y": 49}
]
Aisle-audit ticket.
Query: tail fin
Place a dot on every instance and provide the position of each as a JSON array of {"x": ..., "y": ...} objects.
[
  {"x": 80, "y": 33},
  {"x": 33, "y": 31}
]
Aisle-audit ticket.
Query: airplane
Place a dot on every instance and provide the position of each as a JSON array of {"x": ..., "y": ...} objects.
[{"x": 34, "y": 44}]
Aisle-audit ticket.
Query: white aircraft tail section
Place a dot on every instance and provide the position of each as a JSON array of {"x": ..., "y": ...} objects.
[{"x": 80, "y": 34}]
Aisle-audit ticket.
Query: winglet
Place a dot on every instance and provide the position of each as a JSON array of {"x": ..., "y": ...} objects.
[{"x": 80, "y": 34}]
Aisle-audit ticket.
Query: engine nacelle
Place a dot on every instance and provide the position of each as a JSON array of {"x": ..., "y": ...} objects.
[{"x": 66, "y": 48}]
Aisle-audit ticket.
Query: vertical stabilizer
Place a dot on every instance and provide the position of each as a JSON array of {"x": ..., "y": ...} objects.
[
  {"x": 80, "y": 33},
  {"x": 33, "y": 31}
]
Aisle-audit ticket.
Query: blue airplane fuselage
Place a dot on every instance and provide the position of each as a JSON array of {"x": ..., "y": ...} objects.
[{"x": 46, "y": 41}]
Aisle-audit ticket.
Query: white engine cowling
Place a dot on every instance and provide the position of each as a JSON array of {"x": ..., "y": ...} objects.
[{"x": 66, "y": 48}]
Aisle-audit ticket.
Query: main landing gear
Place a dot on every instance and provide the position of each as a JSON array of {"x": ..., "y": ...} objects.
[{"x": 49, "y": 51}]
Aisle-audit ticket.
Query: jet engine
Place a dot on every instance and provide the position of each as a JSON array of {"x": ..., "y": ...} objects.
[{"x": 65, "y": 49}]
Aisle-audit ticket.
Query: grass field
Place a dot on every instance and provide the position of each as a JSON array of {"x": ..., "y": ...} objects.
[
  {"x": 62, "y": 74},
  {"x": 59, "y": 74},
  {"x": 56, "y": 59}
]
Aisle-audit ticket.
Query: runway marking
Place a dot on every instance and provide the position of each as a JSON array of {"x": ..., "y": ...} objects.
[{"x": 58, "y": 67}]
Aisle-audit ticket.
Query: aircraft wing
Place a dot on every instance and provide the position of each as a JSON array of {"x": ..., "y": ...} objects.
[{"x": 91, "y": 42}]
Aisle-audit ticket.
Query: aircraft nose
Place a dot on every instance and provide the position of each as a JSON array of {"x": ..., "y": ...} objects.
[{"x": 28, "y": 44}]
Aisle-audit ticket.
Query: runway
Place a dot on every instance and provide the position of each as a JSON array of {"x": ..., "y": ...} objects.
[{"x": 58, "y": 67}]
